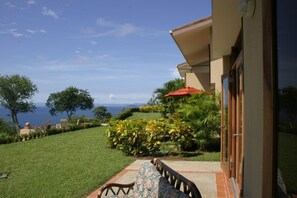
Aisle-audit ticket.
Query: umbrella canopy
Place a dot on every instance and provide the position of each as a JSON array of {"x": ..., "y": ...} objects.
[{"x": 185, "y": 92}]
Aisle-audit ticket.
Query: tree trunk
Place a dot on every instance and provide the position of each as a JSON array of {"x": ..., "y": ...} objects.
[{"x": 16, "y": 122}]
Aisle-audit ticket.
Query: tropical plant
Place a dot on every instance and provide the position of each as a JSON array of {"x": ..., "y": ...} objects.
[
  {"x": 159, "y": 93},
  {"x": 16, "y": 94},
  {"x": 182, "y": 134},
  {"x": 69, "y": 101},
  {"x": 202, "y": 112},
  {"x": 136, "y": 137}
]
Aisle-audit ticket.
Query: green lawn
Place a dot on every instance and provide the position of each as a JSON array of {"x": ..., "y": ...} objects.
[
  {"x": 147, "y": 116},
  {"x": 66, "y": 165}
]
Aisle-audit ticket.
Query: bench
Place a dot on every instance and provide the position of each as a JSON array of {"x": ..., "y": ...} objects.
[{"x": 154, "y": 179}]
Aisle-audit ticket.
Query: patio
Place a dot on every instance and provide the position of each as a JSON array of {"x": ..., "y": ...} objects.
[{"x": 207, "y": 176}]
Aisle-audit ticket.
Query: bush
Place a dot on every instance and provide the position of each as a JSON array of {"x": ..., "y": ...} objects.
[
  {"x": 6, "y": 128},
  {"x": 183, "y": 136},
  {"x": 135, "y": 137},
  {"x": 149, "y": 109},
  {"x": 125, "y": 114},
  {"x": 202, "y": 113}
]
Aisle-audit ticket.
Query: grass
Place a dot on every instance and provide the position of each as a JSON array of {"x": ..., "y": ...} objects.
[
  {"x": 66, "y": 165},
  {"x": 170, "y": 150},
  {"x": 70, "y": 164},
  {"x": 287, "y": 159},
  {"x": 147, "y": 116}
]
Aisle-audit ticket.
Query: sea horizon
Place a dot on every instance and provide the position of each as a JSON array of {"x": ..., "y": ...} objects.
[{"x": 41, "y": 116}]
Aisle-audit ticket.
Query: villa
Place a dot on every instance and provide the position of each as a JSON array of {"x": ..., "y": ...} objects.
[{"x": 246, "y": 51}]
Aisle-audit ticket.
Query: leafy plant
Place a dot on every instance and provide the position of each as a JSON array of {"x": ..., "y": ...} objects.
[
  {"x": 152, "y": 108},
  {"x": 202, "y": 112},
  {"x": 135, "y": 137},
  {"x": 182, "y": 134}
]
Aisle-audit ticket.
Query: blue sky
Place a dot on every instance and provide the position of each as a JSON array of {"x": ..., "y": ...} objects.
[{"x": 119, "y": 50}]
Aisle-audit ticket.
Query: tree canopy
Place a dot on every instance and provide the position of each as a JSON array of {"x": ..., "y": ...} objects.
[
  {"x": 101, "y": 112},
  {"x": 16, "y": 94},
  {"x": 158, "y": 95},
  {"x": 69, "y": 100}
]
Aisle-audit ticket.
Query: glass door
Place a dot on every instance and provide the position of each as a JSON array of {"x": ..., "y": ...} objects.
[
  {"x": 239, "y": 135},
  {"x": 225, "y": 146}
]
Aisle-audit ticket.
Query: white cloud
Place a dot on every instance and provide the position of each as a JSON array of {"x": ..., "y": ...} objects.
[
  {"x": 9, "y": 4},
  {"x": 13, "y": 32},
  {"x": 30, "y": 2},
  {"x": 93, "y": 42},
  {"x": 111, "y": 97},
  {"x": 104, "y": 23},
  {"x": 109, "y": 28},
  {"x": 36, "y": 31},
  {"x": 50, "y": 13},
  {"x": 82, "y": 60}
]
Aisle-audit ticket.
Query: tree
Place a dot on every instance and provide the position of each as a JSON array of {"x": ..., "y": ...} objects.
[
  {"x": 69, "y": 101},
  {"x": 101, "y": 112},
  {"x": 158, "y": 95},
  {"x": 16, "y": 94}
]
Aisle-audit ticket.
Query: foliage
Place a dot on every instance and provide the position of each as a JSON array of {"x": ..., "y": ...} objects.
[
  {"x": 101, "y": 113},
  {"x": 125, "y": 114},
  {"x": 69, "y": 101},
  {"x": 83, "y": 120},
  {"x": 151, "y": 108},
  {"x": 182, "y": 134},
  {"x": 135, "y": 137},
  {"x": 16, "y": 94},
  {"x": 158, "y": 95},
  {"x": 72, "y": 165},
  {"x": 38, "y": 133},
  {"x": 287, "y": 102},
  {"x": 202, "y": 113},
  {"x": 173, "y": 103},
  {"x": 6, "y": 128}
]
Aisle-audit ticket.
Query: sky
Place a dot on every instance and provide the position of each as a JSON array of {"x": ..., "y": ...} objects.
[{"x": 118, "y": 50}]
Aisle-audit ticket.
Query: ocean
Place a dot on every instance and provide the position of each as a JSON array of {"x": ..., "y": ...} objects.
[{"x": 41, "y": 114}]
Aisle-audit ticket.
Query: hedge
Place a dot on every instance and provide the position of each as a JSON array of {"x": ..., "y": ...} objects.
[{"x": 38, "y": 133}]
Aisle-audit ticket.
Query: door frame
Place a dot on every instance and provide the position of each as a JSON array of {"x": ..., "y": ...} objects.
[{"x": 234, "y": 167}]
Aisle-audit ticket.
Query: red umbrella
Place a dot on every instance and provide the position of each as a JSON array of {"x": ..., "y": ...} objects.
[{"x": 185, "y": 92}]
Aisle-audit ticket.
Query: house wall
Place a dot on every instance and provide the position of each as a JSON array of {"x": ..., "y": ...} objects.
[
  {"x": 217, "y": 69},
  {"x": 198, "y": 80},
  {"x": 253, "y": 91}
]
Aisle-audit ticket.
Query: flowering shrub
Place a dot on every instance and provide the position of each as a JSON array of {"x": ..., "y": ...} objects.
[
  {"x": 182, "y": 134},
  {"x": 136, "y": 137},
  {"x": 152, "y": 108}
]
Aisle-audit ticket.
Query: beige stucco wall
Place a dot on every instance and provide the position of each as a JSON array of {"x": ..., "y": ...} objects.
[
  {"x": 253, "y": 91},
  {"x": 198, "y": 80},
  {"x": 216, "y": 71}
]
